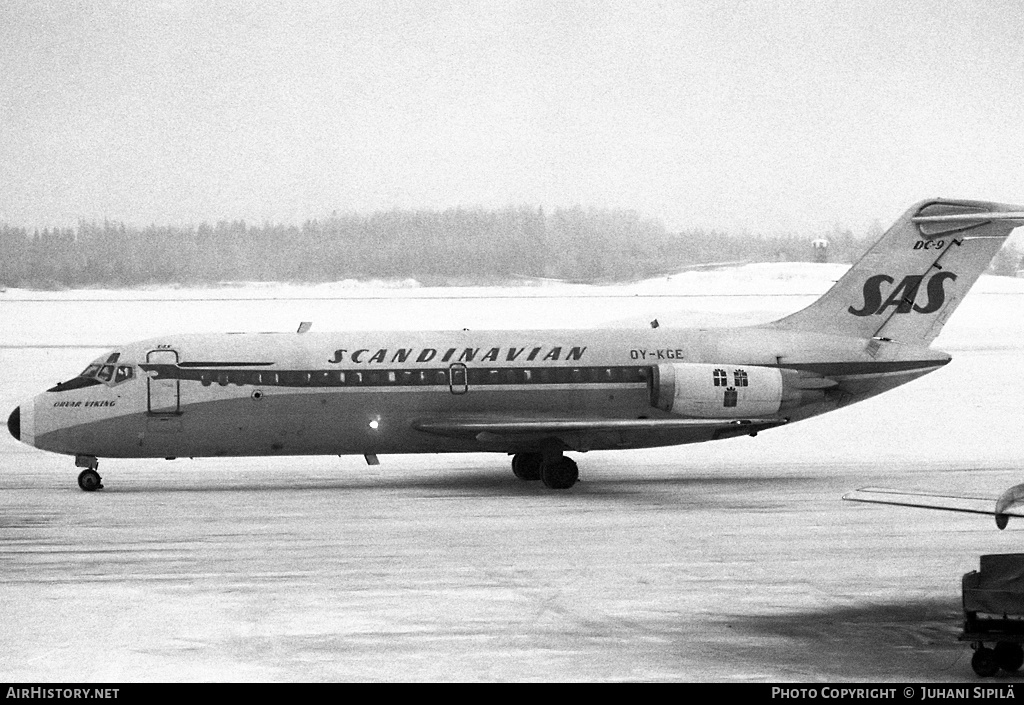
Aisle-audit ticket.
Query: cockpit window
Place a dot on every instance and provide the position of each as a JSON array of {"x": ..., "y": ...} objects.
[{"x": 98, "y": 373}]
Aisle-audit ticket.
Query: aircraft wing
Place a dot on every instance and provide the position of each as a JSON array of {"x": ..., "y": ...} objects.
[
  {"x": 1002, "y": 507},
  {"x": 574, "y": 432}
]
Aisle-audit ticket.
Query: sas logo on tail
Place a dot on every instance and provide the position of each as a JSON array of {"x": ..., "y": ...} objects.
[{"x": 904, "y": 296}]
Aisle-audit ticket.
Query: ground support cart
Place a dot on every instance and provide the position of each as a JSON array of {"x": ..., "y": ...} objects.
[{"x": 993, "y": 599}]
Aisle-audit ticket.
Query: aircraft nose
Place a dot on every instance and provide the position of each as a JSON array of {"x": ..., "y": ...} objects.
[{"x": 14, "y": 423}]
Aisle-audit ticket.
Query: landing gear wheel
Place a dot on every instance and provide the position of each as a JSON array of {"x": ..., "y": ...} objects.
[
  {"x": 89, "y": 480},
  {"x": 526, "y": 466},
  {"x": 1009, "y": 656},
  {"x": 559, "y": 473},
  {"x": 984, "y": 662}
]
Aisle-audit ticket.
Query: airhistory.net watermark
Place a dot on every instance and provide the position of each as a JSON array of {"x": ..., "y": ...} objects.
[{"x": 62, "y": 693}]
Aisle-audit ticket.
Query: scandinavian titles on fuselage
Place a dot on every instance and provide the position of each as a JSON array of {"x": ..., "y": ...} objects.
[{"x": 425, "y": 355}]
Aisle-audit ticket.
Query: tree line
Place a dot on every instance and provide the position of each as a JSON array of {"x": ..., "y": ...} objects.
[{"x": 454, "y": 246}]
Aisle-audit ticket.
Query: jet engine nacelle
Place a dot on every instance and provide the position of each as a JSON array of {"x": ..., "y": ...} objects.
[{"x": 727, "y": 391}]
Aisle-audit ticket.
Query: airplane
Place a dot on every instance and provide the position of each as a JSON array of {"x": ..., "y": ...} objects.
[{"x": 532, "y": 394}]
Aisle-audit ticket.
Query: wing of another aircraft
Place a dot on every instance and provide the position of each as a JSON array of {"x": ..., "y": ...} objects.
[{"x": 1002, "y": 507}]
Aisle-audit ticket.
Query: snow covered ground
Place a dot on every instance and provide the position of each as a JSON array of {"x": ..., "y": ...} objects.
[
  {"x": 725, "y": 561},
  {"x": 736, "y": 296}
]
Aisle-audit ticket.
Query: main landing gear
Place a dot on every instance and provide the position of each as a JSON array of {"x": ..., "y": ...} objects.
[
  {"x": 89, "y": 480},
  {"x": 555, "y": 470}
]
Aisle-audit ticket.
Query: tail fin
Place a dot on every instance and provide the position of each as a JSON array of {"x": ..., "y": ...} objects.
[{"x": 909, "y": 283}]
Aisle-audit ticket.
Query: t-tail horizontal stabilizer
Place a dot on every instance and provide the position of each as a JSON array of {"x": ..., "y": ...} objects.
[
  {"x": 1008, "y": 504},
  {"x": 936, "y": 225}
]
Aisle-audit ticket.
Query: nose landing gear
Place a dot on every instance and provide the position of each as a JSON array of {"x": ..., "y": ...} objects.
[{"x": 89, "y": 480}]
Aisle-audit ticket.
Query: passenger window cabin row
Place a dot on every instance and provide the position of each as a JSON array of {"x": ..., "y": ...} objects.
[{"x": 431, "y": 377}]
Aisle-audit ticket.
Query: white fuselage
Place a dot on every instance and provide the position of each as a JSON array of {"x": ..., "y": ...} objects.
[{"x": 371, "y": 393}]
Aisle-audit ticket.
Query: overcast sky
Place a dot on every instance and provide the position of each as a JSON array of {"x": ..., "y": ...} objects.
[{"x": 729, "y": 114}]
